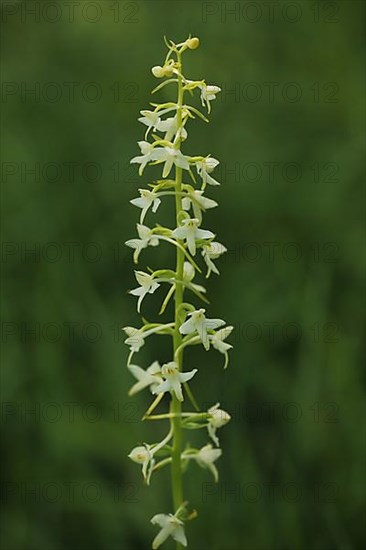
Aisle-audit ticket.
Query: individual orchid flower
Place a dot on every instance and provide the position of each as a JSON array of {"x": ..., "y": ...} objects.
[
  {"x": 152, "y": 119},
  {"x": 205, "y": 458},
  {"x": 147, "y": 286},
  {"x": 145, "y": 455},
  {"x": 147, "y": 238},
  {"x": 171, "y": 526},
  {"x": 212, "y": 251},
  {"x": 208, "y": 93},
  {"x": 218, "y": 418},
  {"x": 145, "y": 378},
  {"x": 190, "y": 232},
  {"x": 142, "y": 455},
  {"x": 198, "y": 202},
  {"x": 135, "y": 338},
  {"x": 146, "y": 200},
  {"x": 197, "y": 323},
  {"x": 204, "y": 169},
  {"x": 173, "y": 379},
  {"x": 147, "y": 150},
  {"x": 170, "y": 157},
  {"x": 171, "y": 129},
  {"x": 218, "y": 342},
  {"x": 217, "y": 339}
]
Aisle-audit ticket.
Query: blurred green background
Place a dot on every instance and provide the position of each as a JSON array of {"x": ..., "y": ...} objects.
[{"x": 288, "y": 129}]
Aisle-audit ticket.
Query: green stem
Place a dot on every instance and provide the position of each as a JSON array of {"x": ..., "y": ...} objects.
[{"x": 175, "y": 407}]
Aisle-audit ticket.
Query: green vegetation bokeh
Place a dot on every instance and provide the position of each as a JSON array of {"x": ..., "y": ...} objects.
[{"x": 288, "y": 129}]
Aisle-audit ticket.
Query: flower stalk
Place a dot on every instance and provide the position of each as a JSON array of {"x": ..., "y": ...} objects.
[{"x": 166, "y": 132}]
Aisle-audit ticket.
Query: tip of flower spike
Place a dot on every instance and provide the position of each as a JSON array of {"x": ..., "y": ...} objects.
[{"x": 193, "y": 43}]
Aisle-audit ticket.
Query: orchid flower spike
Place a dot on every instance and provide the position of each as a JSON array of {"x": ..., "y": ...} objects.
[{"x": 180, "y": 180}]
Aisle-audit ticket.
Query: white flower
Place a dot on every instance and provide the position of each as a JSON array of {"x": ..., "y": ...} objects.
[
  {"x": 217, "y": 419},
  {"x": 147, "y": 150},
  {"x": 217, "y": 339},
  {"x": 204, "y": 169},
  {"x": 210, "y": 252},
  {"x": 198, "y": 202},
  {"x": 149, "y": 118},
  {"x": 208, "y": 93},
  {"x": 171, "y": 526},
  {"x": 170, "y": 156},
  {"x": 198, "y": 323},
  {"x": 147, "y": 286},
  {"x": 190, "y": 232},
  {"x": 135, "y": 338},
  {"x": 145, "y": 378},
  {"x": 170, "y": 127},
  {"x": 143, "y": 455},
  {"x": 147, "y": 238},
  {"x": 206, "y": 458},
  {"x": 145, "y": 201},
  {"x": 152, "y": 119},
  {"x": 173, "y": 379}
]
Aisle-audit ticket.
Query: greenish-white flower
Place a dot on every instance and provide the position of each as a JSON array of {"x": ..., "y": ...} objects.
[
  {"x": 208, "y": 93},
  {"x": 173, "y": 379},
  {"x": 143, "y": 455},
  {"x": 148, "y": 199},
  {"x": 218, "y": 339},
  {"x": 148, "y": 378},
  {"x": 135, "y": 338},
  {"x": 170, "y": 526},
  {"x": 218, "y": 418},
  {"x": 190, "y": 232},
  {"x": 218, "y": 342},
  {"x": 147, "y": 286},
  {"x": 147, "y": 155},
  {"x": 152, "y": 119},
  {"x": 170, "y": 127},
  {"x": 206, "y": 457},
  {"x": 146, "y": 238},
  {"x": 212, "y": 251},
  {"x": 199, "y": 203},
  {"x": 170, "y": 157},
  {"x": 204, "y": 169},
  {"x": 197, "y": 323}
]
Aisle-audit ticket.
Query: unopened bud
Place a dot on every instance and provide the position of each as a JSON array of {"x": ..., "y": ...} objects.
[
  {"x": 193, "y": 43},
  {"x": 158, "y": 71}
]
